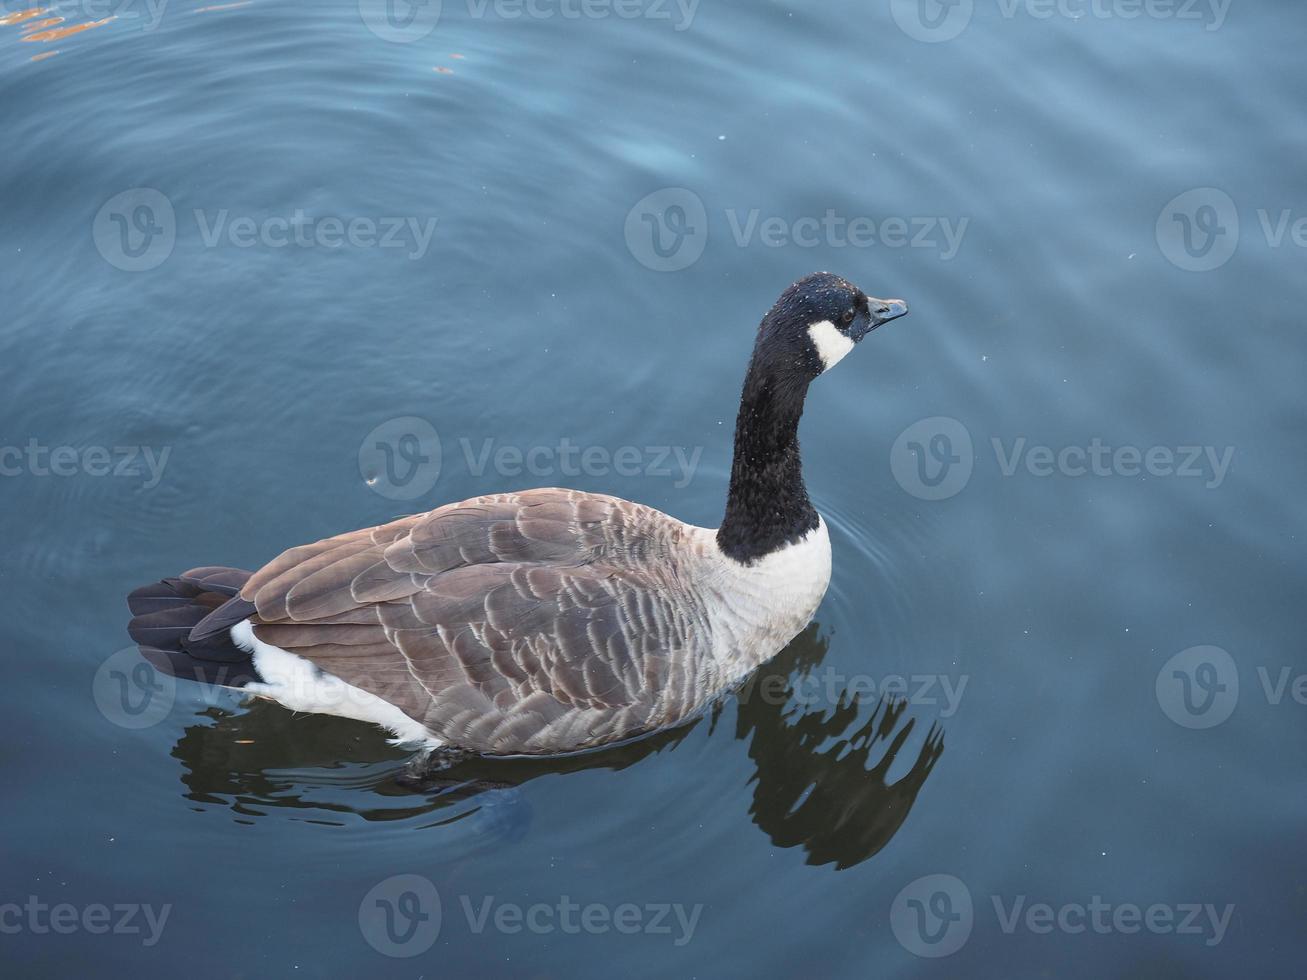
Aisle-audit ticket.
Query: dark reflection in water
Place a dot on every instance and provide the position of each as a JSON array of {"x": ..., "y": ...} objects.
[
  {"x": 813, "y": 787},
  {"x": 820, "y": 780}
]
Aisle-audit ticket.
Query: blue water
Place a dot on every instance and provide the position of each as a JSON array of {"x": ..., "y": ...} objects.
[{"x": 238, "y": 239}]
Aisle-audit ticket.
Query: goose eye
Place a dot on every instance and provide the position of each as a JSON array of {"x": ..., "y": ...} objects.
[{"x": 848, "y": 317}]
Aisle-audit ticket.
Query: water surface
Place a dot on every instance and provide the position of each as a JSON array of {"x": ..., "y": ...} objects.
[{"x": 242, "y": 242}]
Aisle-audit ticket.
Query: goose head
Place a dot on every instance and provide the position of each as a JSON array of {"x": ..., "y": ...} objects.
[{"x": 818, "y": 320}]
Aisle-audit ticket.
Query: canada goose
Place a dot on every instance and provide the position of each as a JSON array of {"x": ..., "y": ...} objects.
[{"x": 546, "y": 621}]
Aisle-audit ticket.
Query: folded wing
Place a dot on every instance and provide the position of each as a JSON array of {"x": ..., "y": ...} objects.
[{"x": 510, "y": 623}]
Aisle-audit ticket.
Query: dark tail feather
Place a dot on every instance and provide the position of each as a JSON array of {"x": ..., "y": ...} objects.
[{"x": 181, "y": 625}]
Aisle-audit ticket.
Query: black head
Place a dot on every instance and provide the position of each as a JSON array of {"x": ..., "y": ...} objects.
[{"x": 818, "y": 320}]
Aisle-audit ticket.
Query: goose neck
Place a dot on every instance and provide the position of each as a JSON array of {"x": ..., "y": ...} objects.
[{"x": 767, "y": 506}]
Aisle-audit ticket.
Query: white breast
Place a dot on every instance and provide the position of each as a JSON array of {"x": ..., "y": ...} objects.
[{"x": 761, "y": 607}]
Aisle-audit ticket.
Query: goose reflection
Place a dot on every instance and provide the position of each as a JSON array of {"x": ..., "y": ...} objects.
[
  {"x": 820, "y": 781},
  {"x": 813, "y": 787}
]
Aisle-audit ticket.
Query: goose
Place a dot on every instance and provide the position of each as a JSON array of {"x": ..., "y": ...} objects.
[{"x": 548, "y": 621}]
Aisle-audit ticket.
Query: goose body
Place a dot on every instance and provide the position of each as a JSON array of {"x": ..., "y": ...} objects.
[{"x": 545, "y": 621}]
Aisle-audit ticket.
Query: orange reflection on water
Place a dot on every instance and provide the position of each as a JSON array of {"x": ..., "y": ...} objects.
[
  {"x": 62, "y": 32},
  {"x": 224, "y": 6},
  {"x": 20, "y": 16},
  {"x": 41, "y": 56},
  {"x": 38, "y": 24}
]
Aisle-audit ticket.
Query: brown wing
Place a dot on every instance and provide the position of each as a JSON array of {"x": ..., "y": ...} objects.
[{"x": 531, "y": 622}]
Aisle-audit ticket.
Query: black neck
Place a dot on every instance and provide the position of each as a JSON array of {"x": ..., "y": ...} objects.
[{"x": 768, "y": 505}]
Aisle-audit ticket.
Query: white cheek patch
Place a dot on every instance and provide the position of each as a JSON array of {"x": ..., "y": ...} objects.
[{"x": 830, "y": 343}]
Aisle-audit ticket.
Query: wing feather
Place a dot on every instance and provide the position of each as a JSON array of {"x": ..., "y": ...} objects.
[{"x": 529, "y": 622}]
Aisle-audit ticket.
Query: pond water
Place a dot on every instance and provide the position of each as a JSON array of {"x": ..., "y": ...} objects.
[{"x": 1049, "y": 718}]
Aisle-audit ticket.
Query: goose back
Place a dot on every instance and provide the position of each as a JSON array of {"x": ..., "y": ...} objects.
[{"x": 511, "y": 623}]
